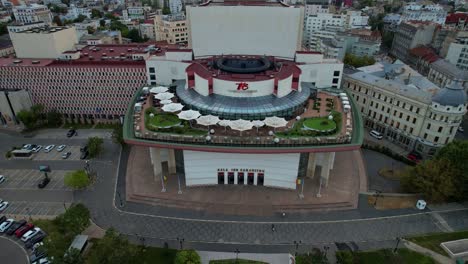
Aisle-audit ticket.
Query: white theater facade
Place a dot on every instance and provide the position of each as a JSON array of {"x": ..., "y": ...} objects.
[{"x": 251, "y": 81}]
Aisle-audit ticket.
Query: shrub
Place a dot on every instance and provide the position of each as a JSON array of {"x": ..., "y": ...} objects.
[
  {"x": 187, "y": 257},
  {"x": 8, "y": 154},
  {"x": 344, "y": 257}
]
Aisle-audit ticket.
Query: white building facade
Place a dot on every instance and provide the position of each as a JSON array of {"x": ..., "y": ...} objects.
[
  {"x": 458, "y": 53},
  {"x": 420, "y": 12},
  {"x": 32, "y": 13}
]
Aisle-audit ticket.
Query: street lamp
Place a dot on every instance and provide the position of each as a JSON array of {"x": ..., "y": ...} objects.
[
  {"x": 120, "y": 199},
  {"x": 376, "y": 195},
  {"x": 296, "y": 244},
  {"x": 326, "y": 248},
  {"x": 237, "y": 254},
  {"x": 398, "y": 239},
  {"x": 181, "y": 241}
]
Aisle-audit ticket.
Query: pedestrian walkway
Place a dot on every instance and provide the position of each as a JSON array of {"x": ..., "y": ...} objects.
[
  {"x": 436, "y": 256},
  {"x": 207, "y": 256}
]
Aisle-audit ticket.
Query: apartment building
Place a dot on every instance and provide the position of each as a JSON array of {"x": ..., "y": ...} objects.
[
  {"x": 458, "y": 53},
  {"x": 171, "y": 28},
  {"x": 443, "y": 73},
  {"x": 359, "y": 42},
  {"x": 410, "y": 35},
  {"x": 424, "y": 12},
  {"x": 32, "y": 13},
  {"x": 406, "y": 108}
]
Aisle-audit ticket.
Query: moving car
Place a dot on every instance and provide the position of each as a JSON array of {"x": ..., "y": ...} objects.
[
  {"x": 3, "y": 205},
  {"x": 28, "y": 235},
  {"x": 49, "y": 148},
  {"x": 21, "y": 231},
  {"x": 43, "y": 183},
  {"x": 376, "y": 134},
  {"x": 5, "y": 225},
  {"x": 36, "y": 239},
  {"x": 37, "y": 148},
  {"x": 15, "y": 226},
  {"x": 61, "y": 148},
  {"x": 2, "y": 178},
  {"x": 71, "y": 133},
  {"x": 66, "y": 155}
]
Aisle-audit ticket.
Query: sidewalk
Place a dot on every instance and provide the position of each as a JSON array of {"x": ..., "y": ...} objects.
[
  {"x": 206, "y": 256},
  {"x": 436, "y": 256}
]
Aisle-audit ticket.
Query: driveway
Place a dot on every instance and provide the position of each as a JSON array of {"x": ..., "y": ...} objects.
[
  {"x": 11, "y": 252},
  {"x": 376, "y": 161}
]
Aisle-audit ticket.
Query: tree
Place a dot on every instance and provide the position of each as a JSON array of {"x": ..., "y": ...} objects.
[
  {"x": 95, "y": 13},
  {"x": 356, "y": 61},
  {"x": 91, "y": 30},
  {"x": 76, "y": 179},
  {"x": 387, "y": 39},
  {"x": 94, "y": 146},
  {"x": 166, "y": 10},
  {"x": 134, "y": 35},
  {"x": 102, "y": 23},
  {"x": 117, "y": 135},
  {"x": 80, "y": 19},
  {"x": 57, "y": 21},
  {"x": 26, "y": 117},
  {"x": 54, "y": 118},
  {"x": 110, "y": 16},
  {"x": 443, "y": 178},
  {"x": 73, "y": 256},
  {"x": 187, "y": 257},
  {"x": 376, "y": 22},
  {"x": 112, "y": 248},
  {"x": 3, "y": 28}
]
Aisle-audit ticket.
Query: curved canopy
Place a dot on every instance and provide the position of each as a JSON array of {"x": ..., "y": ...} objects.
[
  {"x": 173, "y": 107},
  {"x": 158, "y": 89},
  {"x": 275, "y": 121},
  {"x": 258, "y": 123},
  {"x": 224, "y": 123},
  {"x": 167, "y": 101},
  {"x": 164, "y": 96},
  {"x": 189, "y": 115},
  {"x": 241, "y": 125},
  {"x": 207, "y": 120}
]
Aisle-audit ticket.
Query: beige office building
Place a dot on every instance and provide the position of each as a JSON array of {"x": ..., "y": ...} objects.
[
  {"x": 407, "y": 108},
  {"x": 171, "y": 28}
]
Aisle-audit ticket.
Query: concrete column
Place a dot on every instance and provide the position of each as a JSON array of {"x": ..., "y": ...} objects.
[
  {"x": 332, "y": 159},
  {"x": 171, "y": 161},
  {"x": 325, "y": 171},
  {"x": 311, "y": 165},
  {"x": 156, "y": 161}
]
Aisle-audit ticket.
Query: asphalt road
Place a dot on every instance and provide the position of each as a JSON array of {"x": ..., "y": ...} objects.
[{"x": 11, "y": 252}]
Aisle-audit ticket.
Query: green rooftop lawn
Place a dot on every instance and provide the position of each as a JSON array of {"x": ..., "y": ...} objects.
[
  {"x": 432, "y": 241},
  {"x": 160, "y": 119},
  {"x": 320, "y": 123}
]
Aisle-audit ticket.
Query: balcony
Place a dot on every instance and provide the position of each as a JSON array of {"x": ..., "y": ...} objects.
[{"x": 347, "y": 134}]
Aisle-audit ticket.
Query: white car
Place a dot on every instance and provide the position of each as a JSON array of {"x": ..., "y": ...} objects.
[
  {"x": 61, "y": 147},
  {"x": 42, "y": 261},
  {"x": 27, "y": 146},
  {"x": 2, "y": 178},
  {"x": 5, "y": 225},
  {"x": 30, "y": 234},
  {"x": 376, "y": 134},
  {"x": 3, "y": 205},
  {"x": 49, "y": 148},
  {"x": 37, "y": 245},
  {"x": 37, "y": 148}
]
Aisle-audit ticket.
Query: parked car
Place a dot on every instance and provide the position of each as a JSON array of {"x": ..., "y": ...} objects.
[
  {"x": 27, "y": 146},
  {"x": 414, "y": 156},
  {"x": 84, "y": 155},
  {"x": 66, "y": 155},
  {"x": 61, "y": 148},
  {"x": 376, "y": 134},
  {"x": 37, "y": 245},
  {"x": 71, "y": 133},
  {"x": 28, "y": 235},
  {"x": 5, "y": 225},
  {"x": 2, "y": 219},
  {"x": 84, "y": 148},
  {"x": 15, "y": 226},
  {"x": 36, "y": 239},
  {"x": 49, "y": 148},
  {"x": 3, "y": 205},
  {"x": 21, "y": 231},
  {"x": 37, "y": 255},
  {"x": 2, "y": 178},
  {"x": 41, "y": 261},
  {"x": 37, "y": 148},
  {"x": 43, "y": 183}
]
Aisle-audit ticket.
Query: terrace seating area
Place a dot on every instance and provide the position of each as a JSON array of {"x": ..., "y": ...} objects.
[{"x": 322, "y": 106}]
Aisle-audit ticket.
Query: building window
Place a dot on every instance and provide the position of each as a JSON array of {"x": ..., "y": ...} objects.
[
  {"x": 414, "y": 120},
  {"x": 428, "y": 126},
  {"x": 151, "y": 69},
  {"x": 336, "y": 73},
  {"x": 425, "y": 136},
  {"x": 335, "y": 80},
  {"x": 440, "y": 129}
]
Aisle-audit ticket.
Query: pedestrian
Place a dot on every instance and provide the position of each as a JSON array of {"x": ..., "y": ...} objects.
[{"x": 273, "y": 228}]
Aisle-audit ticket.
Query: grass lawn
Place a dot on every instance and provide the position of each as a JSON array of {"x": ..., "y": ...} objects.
[
  {"x": 236, "y": 261},
  {"x": 403, "y": 256},
  {"x": 320, "y": 123},
  {"x": 432, "y": 241},
  {"x": 160, "y": 119}
]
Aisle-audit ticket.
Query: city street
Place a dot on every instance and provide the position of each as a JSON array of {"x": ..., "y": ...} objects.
[{"x": 155, "y": 225}]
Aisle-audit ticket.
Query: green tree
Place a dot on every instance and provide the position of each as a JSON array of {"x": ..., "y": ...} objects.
[
  {"x": 376, "y": 22},
  {"x": 57, "y": 21},
  {"x": 356, "y": 61},
  {"x": 111, "y": 249},
  {"x": 166, "y": 10},
  {"x": 187, "y": 257},
  {"x": 91, "y": 30},
  {"x": 110, "y": 16},
  {"x": 80, "y": 19},
  {"x": 54, "y": 118},
  {"x": 26, "y": 117},
  {"x": 102, "y": 23},
  {"x": 94, "y": 146},
  {"x": 387, "y": 39},
  {"x": 134, "y": 35},
  {"x": 3, "y": 28},
  {"x": 443, "y": 178},
  {"x": 95, "y": 13},
  {"x": 76, "y": 179},
  {"x": 73, "y": 256},
  {"x": 344, "y": 257},
  {"x": 117, "y": 135}
]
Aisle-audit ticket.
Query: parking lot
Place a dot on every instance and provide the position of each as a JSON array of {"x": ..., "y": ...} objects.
[
  {"x": 28, "y": 179},
  {"x": 55, "y": 155},
  {"x": 34, "y": 209}
]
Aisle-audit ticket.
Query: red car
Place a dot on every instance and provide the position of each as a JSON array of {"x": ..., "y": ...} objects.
[
  {"x": 414, "y": 156},
  {"x": 20, "y": 232}
]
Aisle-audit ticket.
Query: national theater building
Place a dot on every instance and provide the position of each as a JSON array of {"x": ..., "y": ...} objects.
[{"x": 244, "y": 104}]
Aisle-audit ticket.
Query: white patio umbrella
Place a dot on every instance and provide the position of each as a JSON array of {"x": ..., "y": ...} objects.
[
  {"x": 208, "y": 120},
  {"x": 275, "y": 122},
  {"x": 225, "y": 123},
  {"x": 164, "y": 96},
  {"x": 174, "y": 107},
  {"x": 189, "y": 115},
  {"x": 164, "y": 102},
  {"x": 258, "y": 123},
  {"x": 159, "y": 89},
  {"x": 241, "y": 125}
]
